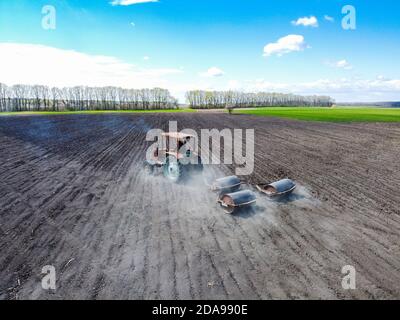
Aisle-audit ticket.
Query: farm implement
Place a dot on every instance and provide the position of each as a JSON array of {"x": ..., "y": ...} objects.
[
  {"x": 178, "y": 161},
  {"x": 231, "y": 198}
]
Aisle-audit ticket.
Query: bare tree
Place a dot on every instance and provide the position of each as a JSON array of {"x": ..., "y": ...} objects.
[
  {"x": 3, "y": 98},
  {"x": 36, "y": 95}
]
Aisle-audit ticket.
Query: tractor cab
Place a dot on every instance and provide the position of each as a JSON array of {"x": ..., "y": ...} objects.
[
  {"x": 173, "y": 143},
  {"x": 176, "y": 142},
  {"x": 175, "y": 154}
]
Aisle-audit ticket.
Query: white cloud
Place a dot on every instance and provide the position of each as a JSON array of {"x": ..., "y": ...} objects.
[
  {"x": 329, "y": 18},
  {"x": 341, "y": 64},
  {"x": 146, "y": 58},
  {"x": 381, "y": 77},
  {"x": 344, "y": 89},
  {"x": 129, "y": 2},
  {"x": 306, "y": 22},
  {"x": 133, "y": 24},
  {"x": 213, "y": 72},
  {"x": 38, "y": 64},
  {"x": 285, "y": 45}
]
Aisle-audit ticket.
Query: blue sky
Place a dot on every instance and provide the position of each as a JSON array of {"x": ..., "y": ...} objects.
[{"x": 206, "y": 44}]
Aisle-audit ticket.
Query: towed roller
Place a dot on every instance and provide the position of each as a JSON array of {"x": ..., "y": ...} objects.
[
  {"x": 233, "y": 201},
  {"x": 226, "y": 184},
  {"x": 277, "y": 189}
]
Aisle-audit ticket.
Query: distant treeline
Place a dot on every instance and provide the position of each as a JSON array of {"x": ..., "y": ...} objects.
[
  {"x": 198, "y": 99},
  {"x": 80, "y": 98},
  {"x": 43, "y": 98}
]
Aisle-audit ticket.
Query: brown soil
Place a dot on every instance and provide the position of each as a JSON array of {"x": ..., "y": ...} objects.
[
  {"x": 73, "y": 194},
  {"x": 228, "y": 201}
]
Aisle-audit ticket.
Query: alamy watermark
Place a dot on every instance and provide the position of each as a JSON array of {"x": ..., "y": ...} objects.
[
  {"x": 198, "y": 148},
  {"x": 49, "y": 279},
  {"x": 349, "y": 280},
  {"x": 349, "y": 21},
  {"x": 49, "y": 19}
]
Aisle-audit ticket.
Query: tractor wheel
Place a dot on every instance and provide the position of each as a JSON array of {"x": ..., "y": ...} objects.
[
  {"x": 199, "y": 167},
  {"x": 173, "y": 169},
  {"x": 148, "y": 169}
]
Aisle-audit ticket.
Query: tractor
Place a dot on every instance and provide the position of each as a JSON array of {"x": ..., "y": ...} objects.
[{"x": 175, "y": 157}]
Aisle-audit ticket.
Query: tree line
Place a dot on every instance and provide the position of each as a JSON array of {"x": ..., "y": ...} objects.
[
  {"x": 199, "y": 99},
  {"x": 80, "y": 98}
]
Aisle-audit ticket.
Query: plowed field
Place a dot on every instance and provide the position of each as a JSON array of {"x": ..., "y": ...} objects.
[{"x": 73, "y": 195}]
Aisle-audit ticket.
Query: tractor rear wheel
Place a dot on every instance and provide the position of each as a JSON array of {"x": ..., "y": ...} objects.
[
  {"x": 148, "y": 168},
  {"x": 199, "y": 167},
  {"x": 173, "y": 169}
]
